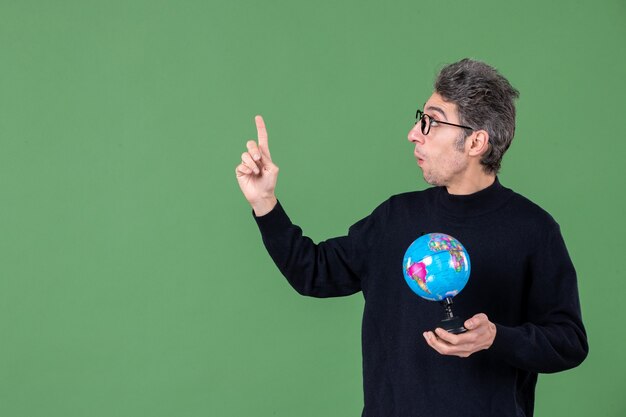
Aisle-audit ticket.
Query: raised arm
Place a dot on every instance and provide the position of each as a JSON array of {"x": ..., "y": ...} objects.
[{"x": 327, "y": 269}]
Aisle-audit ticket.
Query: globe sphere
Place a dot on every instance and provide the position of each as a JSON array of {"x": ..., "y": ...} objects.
[{"x": 436, "y": 266}]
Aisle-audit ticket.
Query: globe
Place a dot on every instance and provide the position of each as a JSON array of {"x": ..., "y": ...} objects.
[{"x": 436, "y": 266}]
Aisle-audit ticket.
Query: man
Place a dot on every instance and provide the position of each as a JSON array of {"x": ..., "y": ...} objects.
[{"x": 522, "y": 297}]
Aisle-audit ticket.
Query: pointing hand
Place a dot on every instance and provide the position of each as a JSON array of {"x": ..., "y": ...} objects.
[{"x": 257, "y": 174}]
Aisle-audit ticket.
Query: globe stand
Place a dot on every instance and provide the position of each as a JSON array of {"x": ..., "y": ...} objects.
[{"x": 450, "y": 322}]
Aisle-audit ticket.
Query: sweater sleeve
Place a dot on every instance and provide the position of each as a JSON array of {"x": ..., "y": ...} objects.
[
  {"x": 331, "y": 268},
  {"x": 553, "y": 339}
]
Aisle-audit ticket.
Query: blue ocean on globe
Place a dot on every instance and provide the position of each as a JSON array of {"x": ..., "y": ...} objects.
[{"x": 436, "y": 266}]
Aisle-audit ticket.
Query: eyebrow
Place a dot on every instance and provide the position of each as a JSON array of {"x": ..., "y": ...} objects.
[{"x": 437, "y": 109}]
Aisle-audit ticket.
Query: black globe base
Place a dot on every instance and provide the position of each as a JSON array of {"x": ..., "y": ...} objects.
[
  {"x": 450, "y": 322},
  {"x": 453, "y": 325}
]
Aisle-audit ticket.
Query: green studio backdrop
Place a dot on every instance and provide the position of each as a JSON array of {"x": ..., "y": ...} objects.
[{"x": 133, "y": 281}]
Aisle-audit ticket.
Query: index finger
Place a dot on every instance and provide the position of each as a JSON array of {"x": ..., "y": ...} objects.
[{"x": 262, "y": 134}]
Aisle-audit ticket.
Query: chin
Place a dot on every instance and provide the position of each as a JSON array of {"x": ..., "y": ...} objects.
[{"x": 437, "y": 182}]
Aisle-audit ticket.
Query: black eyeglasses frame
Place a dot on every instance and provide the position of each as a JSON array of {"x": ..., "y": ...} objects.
[{"x": 420, "y": 116}]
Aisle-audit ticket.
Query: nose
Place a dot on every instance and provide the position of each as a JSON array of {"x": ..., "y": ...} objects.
[{"x": 415, "y": 135}]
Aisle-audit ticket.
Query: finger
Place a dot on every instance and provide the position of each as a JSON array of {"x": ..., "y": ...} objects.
[
  {"x": 447, "y": 336},
  {"x": 443, "y": 347},
  {"x": 253, "y": 150},
  {"x": 262, "y": 136},
  {"x": 431, "y": 339},
  {"x": 242, "y": 170},
  {"x": 436, "y": 343},
  {"x": 247, "y": 160},
  {"x": 475, "y": 321}
]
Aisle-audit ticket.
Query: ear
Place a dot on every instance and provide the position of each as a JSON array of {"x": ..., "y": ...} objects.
[{"x": 478, "y": 143}]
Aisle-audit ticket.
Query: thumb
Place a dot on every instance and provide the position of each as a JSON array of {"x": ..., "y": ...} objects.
[
  {"x": 475, "y": 321},
  {"x": 267, "y": 164},
  {"x": 265, "y": 153}
]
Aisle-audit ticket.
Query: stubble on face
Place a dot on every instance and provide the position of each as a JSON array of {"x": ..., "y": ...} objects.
[{"x": 443, "y": 169}]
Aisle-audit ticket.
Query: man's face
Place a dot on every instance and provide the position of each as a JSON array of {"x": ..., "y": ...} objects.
[{"x": 440, "y": 154}]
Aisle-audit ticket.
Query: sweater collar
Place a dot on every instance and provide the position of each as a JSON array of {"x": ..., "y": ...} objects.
[{"x": 480, "y": 202}]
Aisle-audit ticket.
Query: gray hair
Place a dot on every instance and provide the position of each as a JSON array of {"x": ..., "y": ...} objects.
[{"x": 485, "y": 101}]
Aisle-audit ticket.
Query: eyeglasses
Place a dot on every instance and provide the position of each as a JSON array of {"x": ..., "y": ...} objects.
[{"x": 428, "y": 121}]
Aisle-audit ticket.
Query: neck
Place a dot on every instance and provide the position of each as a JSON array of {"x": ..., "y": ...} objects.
[{"x": 471, "y": 184}]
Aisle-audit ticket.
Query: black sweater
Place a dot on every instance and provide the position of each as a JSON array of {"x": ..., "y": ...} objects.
[{"x": 522, "y": 278}]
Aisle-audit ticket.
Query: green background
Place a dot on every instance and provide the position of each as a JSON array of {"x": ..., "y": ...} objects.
[{"x": 133, "y": 281}]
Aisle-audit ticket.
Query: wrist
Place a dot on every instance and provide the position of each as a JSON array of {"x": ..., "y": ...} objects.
[{"x": 264, "y": 206}]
